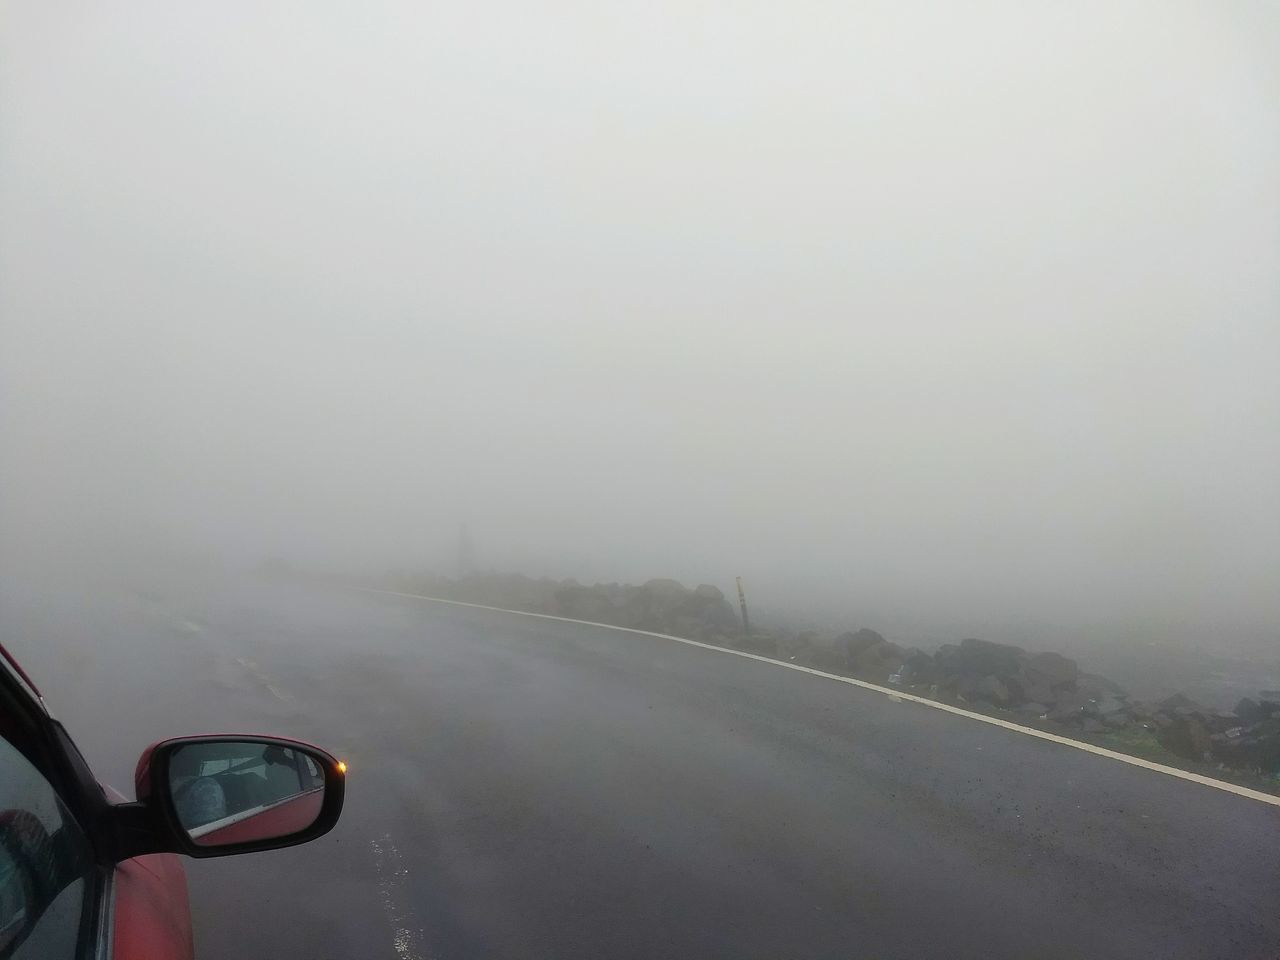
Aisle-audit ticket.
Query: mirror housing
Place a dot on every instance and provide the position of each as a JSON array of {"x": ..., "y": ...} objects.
[{"x": 224, "y": 794}]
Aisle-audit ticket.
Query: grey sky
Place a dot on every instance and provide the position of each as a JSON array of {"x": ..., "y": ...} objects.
[{"x": 949, "y": 314}]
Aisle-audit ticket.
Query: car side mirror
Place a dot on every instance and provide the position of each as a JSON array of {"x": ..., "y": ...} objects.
[{"x": 214, "y": 796}]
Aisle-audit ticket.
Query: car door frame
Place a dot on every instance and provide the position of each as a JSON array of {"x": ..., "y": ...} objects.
[{"x": 60, "y": 762}]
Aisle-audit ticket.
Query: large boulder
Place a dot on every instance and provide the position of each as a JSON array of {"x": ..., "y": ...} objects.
[
  {"x": 1258, "y": 746},
  {"x": 1112, "y": 711},
  {"x": 1106, "y": 707},
  {"x": 990, "y": 689},
  {"x": 1032, "y": 688},
  {"x": 1140, "y": 710},
  {"x": 1186, "y": 736},
  {"x": 981, "y": 658},
  {"x": 947, "y": 662},
  {"x": 1249, "y": 710},
  {"x": 663, "y": 606},
  {"x": 1096, "y": 686},
  {"x": 1180, "y": 703},
  {"x": 1050, "y": 671},
  {"x": 918, "y": 667},
  {"x": 1040, "y": 678},
  {"x": 878, "y": 661},
  {"x": 1069, "y": 708},
  {"x": 712, "y": 611},
  {"x": 853, "y": 645}
]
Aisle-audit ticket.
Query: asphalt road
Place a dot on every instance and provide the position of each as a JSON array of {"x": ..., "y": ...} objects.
[{"x": 528, "y": 788}]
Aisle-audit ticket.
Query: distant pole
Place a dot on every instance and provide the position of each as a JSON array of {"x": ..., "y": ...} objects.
[{"x": 742, "y": 602}]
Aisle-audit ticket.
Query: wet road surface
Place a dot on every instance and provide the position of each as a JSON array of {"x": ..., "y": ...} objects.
[{"x": 529, "y": 788}]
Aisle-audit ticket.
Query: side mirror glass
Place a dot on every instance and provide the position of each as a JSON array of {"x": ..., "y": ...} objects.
[{"x": 233, "y": 794}]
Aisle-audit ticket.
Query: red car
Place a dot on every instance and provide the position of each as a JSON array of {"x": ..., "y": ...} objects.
[{"x": 86, "y": 874}]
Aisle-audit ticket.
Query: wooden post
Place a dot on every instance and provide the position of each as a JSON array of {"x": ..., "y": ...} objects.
[{"x": 742, "y": 602}]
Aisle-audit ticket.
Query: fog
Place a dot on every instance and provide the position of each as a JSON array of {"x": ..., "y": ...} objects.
[{"x": 943, "y": 318}]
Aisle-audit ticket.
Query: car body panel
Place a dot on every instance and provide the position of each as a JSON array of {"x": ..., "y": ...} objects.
[
  {"x": 289, "y": 816},
  {"x": 152, "y": 911},
  {"x": 143, "y": 909}
]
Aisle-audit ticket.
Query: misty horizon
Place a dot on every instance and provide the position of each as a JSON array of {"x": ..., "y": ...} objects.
[{"x": 950, "y": 324}]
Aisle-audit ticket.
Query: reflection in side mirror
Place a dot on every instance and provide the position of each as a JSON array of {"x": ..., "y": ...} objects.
[{"x": 227, "y": 792}]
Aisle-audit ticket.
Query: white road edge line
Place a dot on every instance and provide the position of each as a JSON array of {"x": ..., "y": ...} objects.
[{"x": 887, "y": 691}]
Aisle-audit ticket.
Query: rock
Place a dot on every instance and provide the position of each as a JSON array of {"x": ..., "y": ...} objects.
[
  {"x": 1095, "y": 686},
  {"x": 1034, "y": 693},
  {"x": 1186, "y": 736},
  {"x": 1141, "y": 710},
  {"x": 918, "y": 667},
  {"x": 1049, "y": 670},
  {"x": 881, "y": 659},
  {"x": 983, "y": 658},
  {"x": 1180, "y": 703},
  {"x": 1106, "y": 707},
  {"x": 1068, "y": 710},
  {"x": 1220, "y": 721},
  {"x": 853, "y": 644},
  {"x": 1256, "y": 746},
  {"x": 663, "y": 606},
  {"x": 1266, "y": 729},
  {"x": 1250, "y": 711},
  {"x": 810, "y": 638},
  {"x": 989, "y": 688}
]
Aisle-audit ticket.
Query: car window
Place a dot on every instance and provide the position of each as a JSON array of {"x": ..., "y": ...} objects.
[
  {"x": 45, "y": 866},
  {"x": 214, "y": 781},
  {"x": 311, "y": 774}
]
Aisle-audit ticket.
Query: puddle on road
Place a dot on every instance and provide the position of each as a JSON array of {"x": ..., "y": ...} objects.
[{"x": 391, "y": 875}]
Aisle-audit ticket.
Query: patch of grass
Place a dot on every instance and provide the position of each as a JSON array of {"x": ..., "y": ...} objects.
[{"x": 1137, "y": 741}]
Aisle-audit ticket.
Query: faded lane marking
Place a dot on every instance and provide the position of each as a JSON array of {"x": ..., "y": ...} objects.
[
  {"x": 896, "y": 695},
  {"x": 391, "y": 874},
  {"x": 265, "y": 680}
]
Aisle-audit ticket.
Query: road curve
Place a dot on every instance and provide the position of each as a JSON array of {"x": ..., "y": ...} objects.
[{"x": 533, "y": 788}]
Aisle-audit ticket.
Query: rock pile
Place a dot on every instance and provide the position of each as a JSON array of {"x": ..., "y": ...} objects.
[
  {"x": 663, "y": 606},
  {"x": 1051, "y": 688},
  {"x": 1042, "y": 688},
  {"x": 1246, "y": 738}
]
